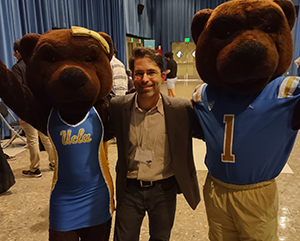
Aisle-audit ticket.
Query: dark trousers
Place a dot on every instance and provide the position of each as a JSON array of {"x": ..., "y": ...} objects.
[
  {"x": 96, "y": 233},
  {"x": 159, "y": 201},
  {"x": 7, "y": 178}
]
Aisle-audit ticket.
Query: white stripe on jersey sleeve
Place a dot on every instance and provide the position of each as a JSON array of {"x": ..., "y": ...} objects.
[
  {"x": 198, "y": 92},
  {"x": 288, "y": 86}
]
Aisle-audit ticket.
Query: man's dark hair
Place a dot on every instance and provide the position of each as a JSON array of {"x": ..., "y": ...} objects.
[
  {"x": 17, "y": 46},
  {"x": 150, "y": 53},
  {"x": 169, "y": 55},
  {"x": 116, "y": 53}
]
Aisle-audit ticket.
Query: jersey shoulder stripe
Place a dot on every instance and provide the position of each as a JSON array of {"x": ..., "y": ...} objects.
[
  {"x": 288, "y": 86},
  {"x": 197, "y": 95}
]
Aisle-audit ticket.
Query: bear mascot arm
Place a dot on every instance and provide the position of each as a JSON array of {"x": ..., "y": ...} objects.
[{"x": 65, "y": 70}]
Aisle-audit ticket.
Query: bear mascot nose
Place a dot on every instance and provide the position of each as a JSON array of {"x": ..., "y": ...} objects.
[
  {"x": 73, "y": 77},
  {"x": 251, "y": 53}
]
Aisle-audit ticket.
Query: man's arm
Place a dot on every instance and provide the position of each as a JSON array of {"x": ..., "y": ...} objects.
[
  {"x": 18, "y": 73},
  {"x": 168, "y": 68},
  {"x": 297, "y": 62},
  {"x": 109, "y": 129},
  {"x": 197, "y": 131}
]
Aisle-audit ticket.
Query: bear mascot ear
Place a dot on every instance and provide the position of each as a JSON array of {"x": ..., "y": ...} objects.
[
  {"x": 198, "y": 23},
  {"x": 289, "y": 11},
  {"x": 110, "y": 43},
  {"x": 27, "y": 45}
]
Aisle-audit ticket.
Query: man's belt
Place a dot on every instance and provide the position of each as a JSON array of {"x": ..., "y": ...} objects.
[{"x": 148, "y": 184}]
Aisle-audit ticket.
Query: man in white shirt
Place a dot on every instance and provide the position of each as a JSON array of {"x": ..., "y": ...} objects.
[{"x": 120, "y": 78}]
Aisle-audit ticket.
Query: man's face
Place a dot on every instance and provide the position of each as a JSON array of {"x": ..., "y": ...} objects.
[
  {"x": 17, "y": 55},
  {"x": 147, "y": 77}
]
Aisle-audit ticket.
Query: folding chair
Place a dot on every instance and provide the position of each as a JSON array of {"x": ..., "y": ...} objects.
[{"x": 14, "y": 126}]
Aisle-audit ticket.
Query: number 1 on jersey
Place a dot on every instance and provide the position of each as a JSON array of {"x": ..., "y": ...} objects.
[{"x": 227, "y": 155}]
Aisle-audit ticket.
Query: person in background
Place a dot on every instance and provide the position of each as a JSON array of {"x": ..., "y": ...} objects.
[
  {"x": 32, "y": 135},
  {"x": 159, "y": 50},
  {"x": 120, "y": 78},
  {"x": 155, "y": 157},
  {"x": 171, "y": 73}
]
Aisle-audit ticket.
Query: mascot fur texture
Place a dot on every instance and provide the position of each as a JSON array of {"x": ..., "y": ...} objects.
[
  {"x": 248, "y": 111},
  {"x": 69, "y": 76}
]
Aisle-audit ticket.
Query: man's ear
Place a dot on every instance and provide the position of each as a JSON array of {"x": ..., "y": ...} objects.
[
  {"x": 27, "y": 45},
  {"x": 198, "y": 23},
  {"x": 163, "y": 77},
  {"x": 110, "y": 43},
  {"x": 289, "y": 11}
]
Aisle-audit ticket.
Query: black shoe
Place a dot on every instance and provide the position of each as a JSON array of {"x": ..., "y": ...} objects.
[
  {"x": 28, "y": 173},
  {"x": 51, "y": 166}
]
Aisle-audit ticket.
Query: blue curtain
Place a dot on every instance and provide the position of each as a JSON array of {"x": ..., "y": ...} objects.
[
  {"x": 208, "y": 4},
  {"x": 118, "y": 29},
  {"x": 172, "y": 19},
  {"x": 19, "y": 17},
  {"x": 296, "y": 31},
  {"x": 135, "y": 24},
  {"x": 105, "y": 16}
]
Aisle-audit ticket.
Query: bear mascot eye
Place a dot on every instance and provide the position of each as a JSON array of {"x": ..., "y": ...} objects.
[
  {"x": 48, "y": 53},
  {"x": 91, "y": 57},
  {"x": 272, "y": 28},
  {"x": 50, "y": 59},
  {"x": 223, "y": 28},
  {"x": 271, "y": 21}
]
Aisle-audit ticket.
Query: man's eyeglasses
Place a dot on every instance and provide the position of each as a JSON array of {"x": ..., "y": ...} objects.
[{"x": 140, "y": 74}]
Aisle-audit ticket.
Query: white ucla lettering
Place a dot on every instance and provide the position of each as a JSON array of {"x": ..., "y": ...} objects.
[{"x": 68, "y": 139}]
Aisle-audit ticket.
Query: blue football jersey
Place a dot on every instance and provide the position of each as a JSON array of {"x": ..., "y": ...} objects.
[
  {"x": 82, "y": 193},
  {"x": 248, "y": 139}
]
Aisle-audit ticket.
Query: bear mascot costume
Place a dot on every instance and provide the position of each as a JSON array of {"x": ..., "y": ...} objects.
[
  {"x": 248, "y": 111},
  {"x": 69, "y": 76}
]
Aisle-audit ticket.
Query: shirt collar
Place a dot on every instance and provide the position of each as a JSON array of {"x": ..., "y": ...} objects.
[{"x": 158, "y": 107}]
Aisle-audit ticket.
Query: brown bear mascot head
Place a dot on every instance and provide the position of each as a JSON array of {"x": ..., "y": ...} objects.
[
  {"x": 243, "y": 45},
  {"x": 68, "y": 69}
]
